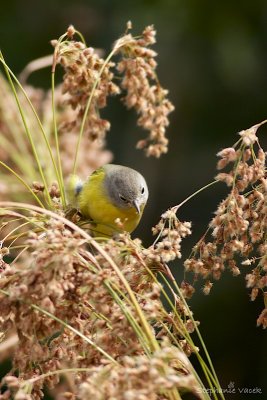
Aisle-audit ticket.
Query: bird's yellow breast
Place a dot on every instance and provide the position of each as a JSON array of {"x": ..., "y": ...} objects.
[{"x": 95, "y": 204}]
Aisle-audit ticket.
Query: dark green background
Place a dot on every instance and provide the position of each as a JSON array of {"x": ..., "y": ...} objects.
[{"x": 213, "y": 59}]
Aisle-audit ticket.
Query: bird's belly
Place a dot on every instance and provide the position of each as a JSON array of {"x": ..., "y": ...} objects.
[{"x": 104, "y": 216}]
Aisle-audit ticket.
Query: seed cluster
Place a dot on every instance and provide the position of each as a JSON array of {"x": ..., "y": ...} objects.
[
  {"x": 82, "y": 67},
  {"x": 146, "y": 378},
  {"x": 59, "y": 277},
  {"x": 143, "y": 91},
  {"x": 89, "y": 80},
  {"x": 86, "y": 319},
  {"x": 170, "y": 232},
  {"x": 238, "y": 229}
]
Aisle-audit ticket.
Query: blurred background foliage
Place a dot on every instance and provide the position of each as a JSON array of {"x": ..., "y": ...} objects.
[{"x": 213, "y": 59}]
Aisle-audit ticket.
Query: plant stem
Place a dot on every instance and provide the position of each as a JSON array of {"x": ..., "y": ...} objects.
[
  {"x": 59, "y": 169},
  {"x": 26, "y": 129},
  {"x": 201, "y": 339},
  {"x": 85, "y": 338},
  {"x": 88, "y": 107},
  {"x": 175, "y": 208},
  {"x": 23, "y": 182},
  {"x": 35, "y": 114}
]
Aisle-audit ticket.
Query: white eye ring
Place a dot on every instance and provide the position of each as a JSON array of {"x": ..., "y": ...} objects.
[{"x": 123, "y": 198}]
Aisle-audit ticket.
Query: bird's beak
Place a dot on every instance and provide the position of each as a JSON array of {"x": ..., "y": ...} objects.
[{"x": 136, "y": 206}]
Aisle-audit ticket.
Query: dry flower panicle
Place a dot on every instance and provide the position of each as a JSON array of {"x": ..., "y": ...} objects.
[
  {"x": 88, "y": 81},
  {"x": 238, "y": 229},
  {"x": 93, "y": 312},
  {"x": 143, "y": 91},
  {"x": 59, "y": 275},
  {"x": 64, "y": 309}
]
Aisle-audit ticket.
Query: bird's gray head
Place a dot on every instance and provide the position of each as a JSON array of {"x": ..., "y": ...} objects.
[{"x": 125, "y": 187}]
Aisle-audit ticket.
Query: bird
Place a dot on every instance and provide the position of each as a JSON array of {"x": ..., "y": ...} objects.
[{"x": 113, "y": 197}]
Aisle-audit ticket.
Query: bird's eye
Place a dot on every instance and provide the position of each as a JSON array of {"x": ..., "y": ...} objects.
[
  {"x": 123, "y": 198},
  {"x": 143, "y": 190}
]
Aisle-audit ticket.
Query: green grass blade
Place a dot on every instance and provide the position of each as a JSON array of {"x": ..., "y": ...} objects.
[{"x": 23, "y": 182}]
